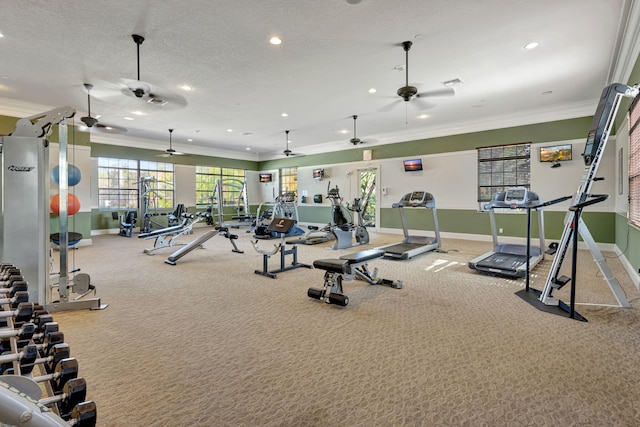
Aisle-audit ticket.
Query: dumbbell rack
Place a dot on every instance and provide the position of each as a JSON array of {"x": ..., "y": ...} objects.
[
  {"x": 601, "y": 127},
  {"x": 31, "y": 344}
]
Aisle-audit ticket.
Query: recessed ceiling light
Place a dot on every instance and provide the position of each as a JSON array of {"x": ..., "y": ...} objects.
[
  {"x": 1, "y": 35},
  {"x": 372, "y": 90},
  {"x": 423, "y": 116},
  {"x": 531, "y": 45},
  {"x": 190, "y": 139},
  {"x": 128, "y": 118},
  {"x": 186, "y": 87},
  {"x": 275, "y": 40},
  {"x": 138, "y": 113},
  {"x": 284, "y": 115},
  {"x": 229, "y": 130},
  {"x": 343, "y": 131},
  {"x": 248, "y": 148}
]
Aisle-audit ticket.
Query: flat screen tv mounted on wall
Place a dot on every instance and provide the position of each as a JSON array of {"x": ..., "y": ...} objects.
[
  {"x": 318, "y": 173},
  {"x": 266, "y": 177},
  {"x": 412, "y": 165},
  {"x": 555, "y": 153}
]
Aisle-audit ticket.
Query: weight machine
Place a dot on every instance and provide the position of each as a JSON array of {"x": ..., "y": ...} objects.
[
  {"x": 280, "y": 226},
  {"x": 283, "y": 207},
  {"x": 603, "y": 122},
  {"x": 24, "y": 213}
]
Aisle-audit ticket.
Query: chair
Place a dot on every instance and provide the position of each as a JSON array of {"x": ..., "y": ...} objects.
[{"x": 126, "y": 226}]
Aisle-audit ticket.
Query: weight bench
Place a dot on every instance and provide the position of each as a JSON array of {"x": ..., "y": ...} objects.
[{"x": 348, "y": 267}]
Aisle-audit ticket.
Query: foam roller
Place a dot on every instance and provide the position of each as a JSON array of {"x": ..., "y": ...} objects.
[
  {"x": 315, "y": 293},
  {"x": 338, "y": 299}
]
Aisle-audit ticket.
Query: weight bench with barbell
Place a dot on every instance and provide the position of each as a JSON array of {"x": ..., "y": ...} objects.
[{"x": 348, "y": 267}]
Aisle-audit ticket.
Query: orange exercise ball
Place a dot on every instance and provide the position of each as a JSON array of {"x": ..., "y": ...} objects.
[{"x": 73, "y": 204}]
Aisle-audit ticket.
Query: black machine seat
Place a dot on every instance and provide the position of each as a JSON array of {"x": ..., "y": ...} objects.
[
  {"x": 363, "y": 256},
  {"x": 345, "y": 262},
  {"x": 332, "y": 264},
  {"x": 348, "y": 267},
  {"x": 174, "y": 217},
  {"x": 129, "y": 222}
]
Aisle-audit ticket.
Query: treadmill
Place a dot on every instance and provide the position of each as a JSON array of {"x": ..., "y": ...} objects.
[
  {"x": 414, "y": 245},
  {"x": 510, "y": 260}
]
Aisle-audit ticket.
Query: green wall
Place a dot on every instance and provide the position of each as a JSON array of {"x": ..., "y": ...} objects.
[
  {"x": 103, "y": 150},
  {"x": 628, "y": 241},
  {"x": 81, "y": 222},
  {"x": 540, "y": 132}
]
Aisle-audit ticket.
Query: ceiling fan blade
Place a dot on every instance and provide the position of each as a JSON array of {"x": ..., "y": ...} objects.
[
  {"x": 153, "y": 95},
  {"x": 447, "y": 91},
  {"x": 390, "y": 106},
  {"x": 421, "y": 104},
  {"x": 104, "y": 128}
]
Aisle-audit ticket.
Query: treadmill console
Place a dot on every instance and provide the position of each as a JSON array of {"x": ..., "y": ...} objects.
[
  {"x": 415, "y": 199},
  {"x": 516, "y": 196}
]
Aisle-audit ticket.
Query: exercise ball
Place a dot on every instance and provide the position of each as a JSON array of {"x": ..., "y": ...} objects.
[
  {"x": 73, "y": 204},
  {"x": 73, "y": 172}
]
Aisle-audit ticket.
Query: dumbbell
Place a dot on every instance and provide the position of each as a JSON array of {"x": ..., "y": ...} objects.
[
  {"x": 10, "y": 271},
  {"x": 25, "y": 332},
  {"x": 18, "y": 298},
  {"x": 28, "y": 333},
  {"x": 19, "y": 406},
  {"x": 66, "y": 369},
  {"x": 15, "y": 286},
  {"x": 84, "y": 414},
  {"x": 22, "y": 313},
  {"x": 8, "y": 280},
  {"x": 73, "y": 393},
  {"x": 28, "y": 358},
  {"x": 22, "y": 336}
]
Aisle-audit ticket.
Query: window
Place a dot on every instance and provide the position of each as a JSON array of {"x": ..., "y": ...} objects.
[
  {"x": 161, "y": 182},
  {"x": 634, "y": 163},
  {"x": 288, "y": 180},
  {"x": 233, "y": 185},
  {"x": 119, "y": 183},
  {"x": 501, "y": 167}
]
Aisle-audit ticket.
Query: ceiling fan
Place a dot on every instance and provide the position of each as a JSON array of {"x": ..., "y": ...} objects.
[
  {"x": 170, "y": 151},
  {"x": 355, "y": 140},
  {"x": 148, "y": 92},
  {"x": 286, "y": 151},
  {"x": 408, "y": 92},
  {"x": 92, "y": 122}
]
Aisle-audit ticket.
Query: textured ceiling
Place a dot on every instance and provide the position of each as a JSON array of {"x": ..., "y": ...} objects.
[{"x": 332, "y": 53}]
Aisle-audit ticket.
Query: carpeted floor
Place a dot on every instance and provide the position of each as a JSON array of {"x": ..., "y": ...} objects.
[{"x": 209, "y": 343}]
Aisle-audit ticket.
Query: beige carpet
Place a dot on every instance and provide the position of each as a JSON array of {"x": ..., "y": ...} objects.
[{"x": 209, "y": 343}]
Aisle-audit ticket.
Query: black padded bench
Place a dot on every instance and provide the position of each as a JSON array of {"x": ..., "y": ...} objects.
[{"x": 347, "y": 267}]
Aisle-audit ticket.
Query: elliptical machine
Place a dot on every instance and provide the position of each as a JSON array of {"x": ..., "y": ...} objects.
[{"x": 343, "y": 229}]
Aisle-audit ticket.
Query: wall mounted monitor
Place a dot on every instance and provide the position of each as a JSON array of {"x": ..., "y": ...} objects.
[
  {"x": 266, "y": 177},
  {"x": 556, "y": 153},
  {"x": 412, "y": 165},
  {"x": 318, "y": 173}
]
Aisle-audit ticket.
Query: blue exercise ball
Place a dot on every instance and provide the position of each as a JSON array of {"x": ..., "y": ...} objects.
[{"x": 74, "y": 175}]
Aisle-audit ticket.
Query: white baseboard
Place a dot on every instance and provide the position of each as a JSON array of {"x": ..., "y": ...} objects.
[{"x": 633, "y": 274}]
